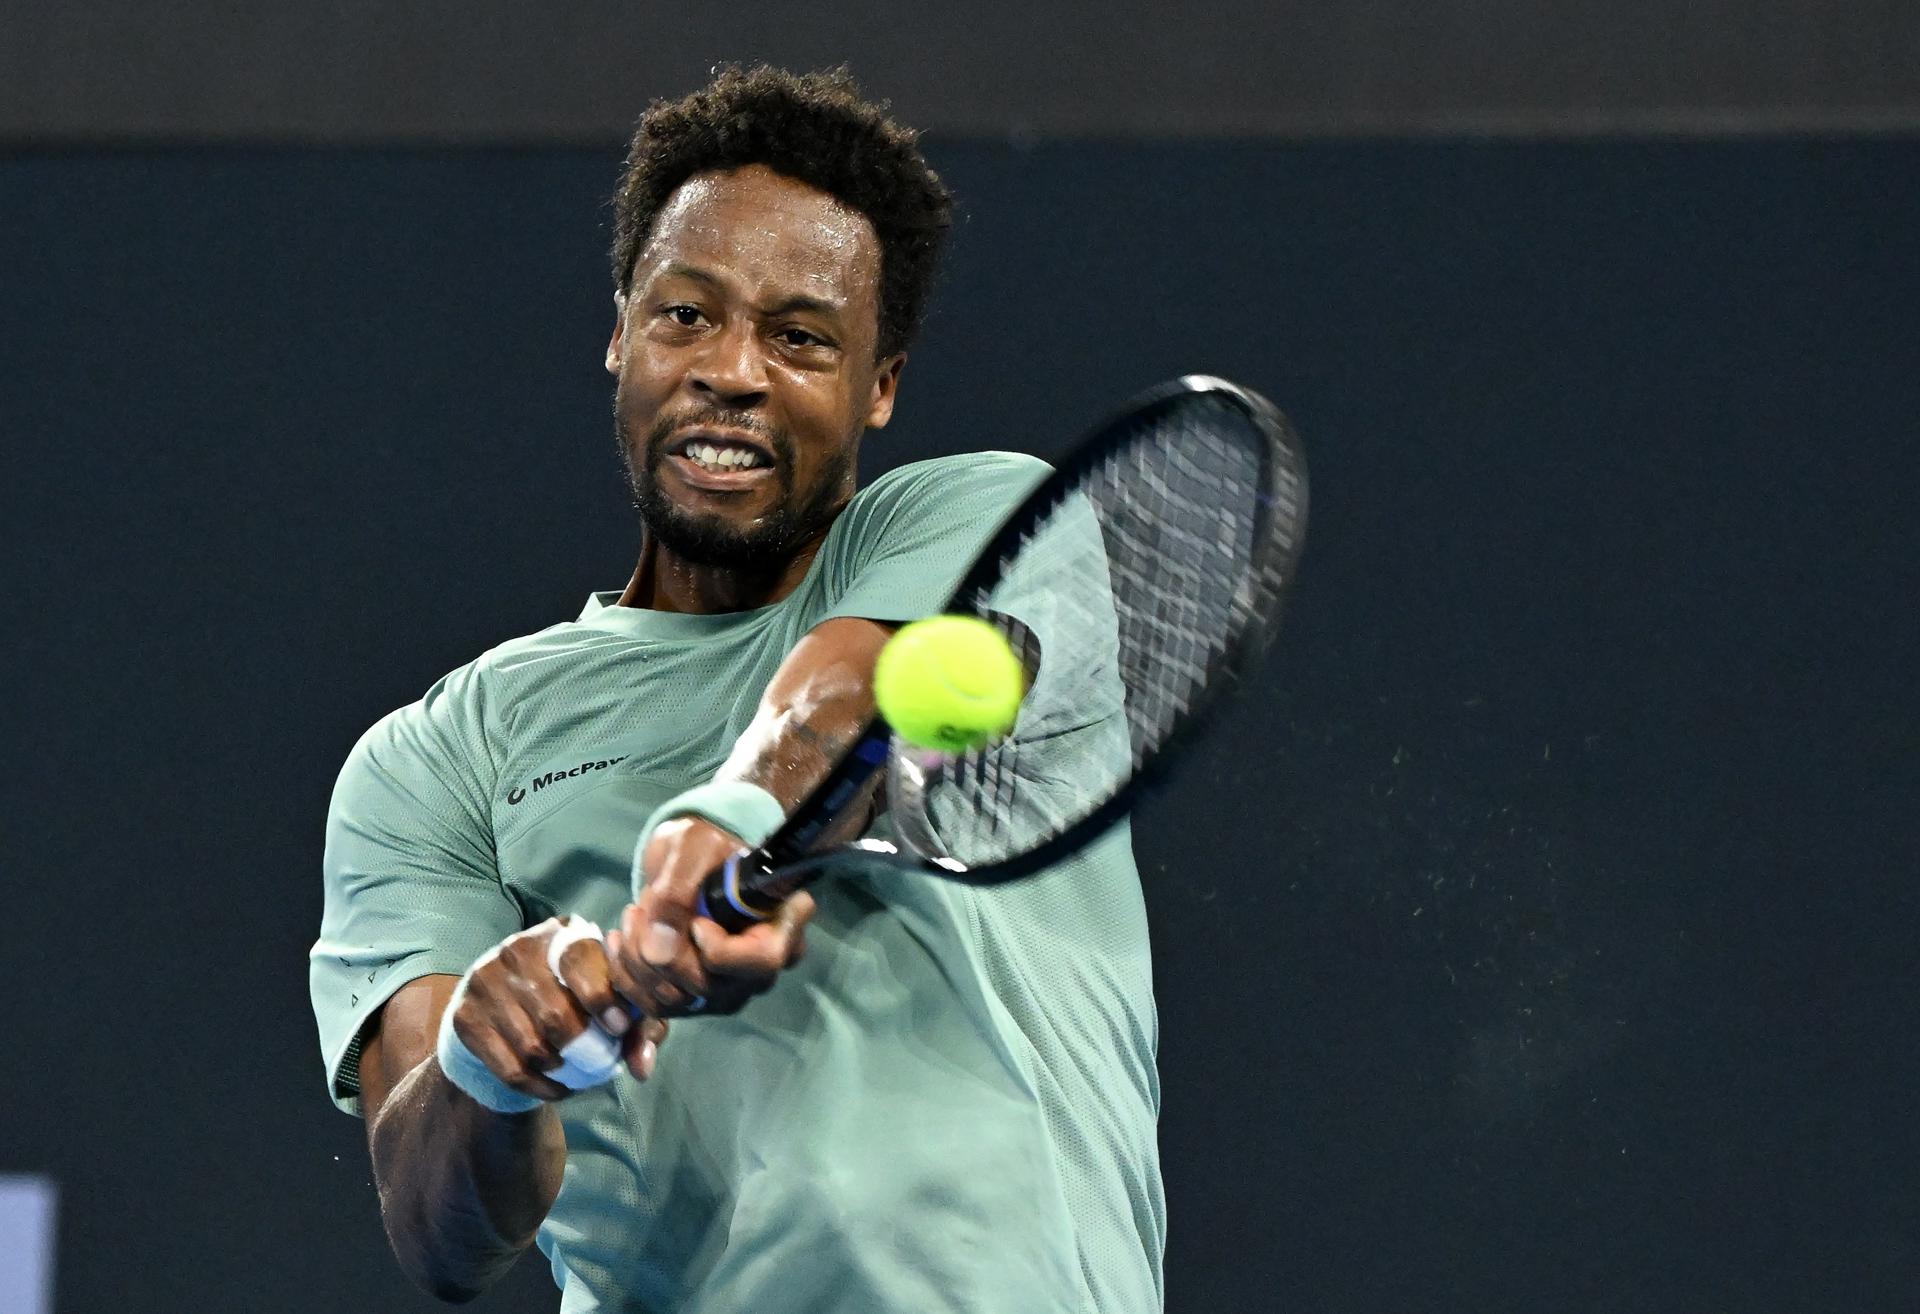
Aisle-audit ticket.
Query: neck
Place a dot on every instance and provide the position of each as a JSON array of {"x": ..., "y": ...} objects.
[{"x": 665, "y": 581}]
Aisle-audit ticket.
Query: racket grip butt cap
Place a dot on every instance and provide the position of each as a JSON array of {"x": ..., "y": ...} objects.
[{"x": 721, "y": 902}]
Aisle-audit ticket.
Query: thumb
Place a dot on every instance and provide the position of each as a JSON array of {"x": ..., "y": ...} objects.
[
  {"x": 658, "y": 921},
  {"x": 665, "y": 906}
]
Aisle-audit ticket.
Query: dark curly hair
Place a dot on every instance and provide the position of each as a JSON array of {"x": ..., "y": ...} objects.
[{"x": 814, "y": 128}]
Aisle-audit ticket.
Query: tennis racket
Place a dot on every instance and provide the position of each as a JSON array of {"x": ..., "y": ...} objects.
[{"x": 1137, "y": 582}]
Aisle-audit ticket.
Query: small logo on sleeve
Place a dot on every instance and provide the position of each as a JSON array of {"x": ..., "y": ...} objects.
[{"x": 553, "y": 778}]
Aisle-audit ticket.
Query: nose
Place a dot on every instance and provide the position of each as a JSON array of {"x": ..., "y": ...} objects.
[{"x": 732, "y": 369}]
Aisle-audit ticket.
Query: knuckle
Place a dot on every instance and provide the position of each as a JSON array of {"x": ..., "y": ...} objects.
[
  {"x": 593, "y": 993},
  {"x": 585, "y": 960},
  {"x": 523, "y": 1041},
  {"x": 667, "y": 994},
  {"x": 627, "y": 986},
  {"x": 537, "y": 1056},
  {"x": 550, "y": 1016},
  {"x": 471, "y": 1025},
  {"x": 533, "y": 940},
  {"x": 485, "y": 972},
  {"x": 526, "y": 1080}
]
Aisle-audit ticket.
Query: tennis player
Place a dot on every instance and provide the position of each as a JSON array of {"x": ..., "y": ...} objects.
[{"x": 948, "y": 1100}]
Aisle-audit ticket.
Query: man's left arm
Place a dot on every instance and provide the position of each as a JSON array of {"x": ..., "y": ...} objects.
[
  {"x": 812, "y": 711},
  {"x": 908, "y": 540}
]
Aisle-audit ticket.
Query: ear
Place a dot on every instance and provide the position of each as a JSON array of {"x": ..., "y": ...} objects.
[
  {"x": 886, "y": 382},
  {"x": 619, "y": 333}
]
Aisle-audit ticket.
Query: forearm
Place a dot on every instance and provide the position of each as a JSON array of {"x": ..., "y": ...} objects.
[
  {"x": 812, "y": 711},
  {"x": 462, "y": 1189}
]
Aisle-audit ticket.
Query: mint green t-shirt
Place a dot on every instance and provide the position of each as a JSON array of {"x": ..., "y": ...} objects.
[{"x": 948, "y": 1105}]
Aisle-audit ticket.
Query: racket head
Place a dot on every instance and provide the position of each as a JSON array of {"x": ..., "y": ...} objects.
[{"x": 1138, "y": 582}]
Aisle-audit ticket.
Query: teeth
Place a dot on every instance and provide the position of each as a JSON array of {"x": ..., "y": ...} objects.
[{"x": 722, "y": 458}]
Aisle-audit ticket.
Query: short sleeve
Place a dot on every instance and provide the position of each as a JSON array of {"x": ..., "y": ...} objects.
[
  {"x": 412, "y": 887},
  {"x": 913, "y": 534}
]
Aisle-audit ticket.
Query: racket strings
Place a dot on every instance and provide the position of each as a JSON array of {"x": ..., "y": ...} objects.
[{"x": 1131, "y": 592}]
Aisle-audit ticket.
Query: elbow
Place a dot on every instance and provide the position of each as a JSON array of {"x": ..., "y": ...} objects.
[
  {"x": 461, "y": 1202},
  {"x": 447, "y": 1290},
  {"x": 448, "y": 1261},
  {"x": 453, "y": 1264},
  {"x": 446, "y": 1278}
]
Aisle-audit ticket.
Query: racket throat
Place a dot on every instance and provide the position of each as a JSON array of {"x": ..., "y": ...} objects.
[{"x": 910, "y": 774}]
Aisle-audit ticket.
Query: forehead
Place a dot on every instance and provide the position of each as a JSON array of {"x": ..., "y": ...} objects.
[{"x": 766, "y": 231}]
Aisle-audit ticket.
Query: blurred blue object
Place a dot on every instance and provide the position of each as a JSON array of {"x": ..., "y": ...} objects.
[{"x": 26, "y": 1244}]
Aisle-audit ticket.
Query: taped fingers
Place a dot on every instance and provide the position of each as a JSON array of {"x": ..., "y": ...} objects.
[{"x": 577, "y": 956}]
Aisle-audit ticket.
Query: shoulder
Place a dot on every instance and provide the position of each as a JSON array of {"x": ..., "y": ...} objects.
[
  {"x": 904, "y": 541},
  {"x": 451, "y": 729},
  {"x": 945, "y": 489},
  {"x": 952, "y": 478}
]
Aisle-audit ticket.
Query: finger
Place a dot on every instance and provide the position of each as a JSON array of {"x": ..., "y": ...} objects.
[
  {"x": 625, "y": 971},
  {"x": 761, "y": 950},
  {"x": 523, "y": 976},
  {"x": 527, "y": 1035},
  {"x": 795, "y": 926},
  {"x": 669, "y": 985},
  {"x": 582, "y": 970},
  {"x": 792, "y": 918},
  {"x": 497, "y": 1047},
  {"x": 757, "y": 951},
  {"x": 670, "y": 895},
  {"x": 556, "y": 1015},
  {"x": 679, "y": 857},
  {"x": 636, "y": 980},
  {"x": 641, "y": 1047}
]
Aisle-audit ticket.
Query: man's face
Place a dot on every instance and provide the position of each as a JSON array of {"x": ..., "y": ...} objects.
[{"x": 744, "y": 352}]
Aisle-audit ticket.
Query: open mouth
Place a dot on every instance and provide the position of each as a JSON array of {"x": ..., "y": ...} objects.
[
  {"x": 718, "y": 461},
  {"x": 722, "y": 453}
]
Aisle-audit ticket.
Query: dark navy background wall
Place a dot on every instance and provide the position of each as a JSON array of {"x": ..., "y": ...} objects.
[{"x": 1538, "y": 934}]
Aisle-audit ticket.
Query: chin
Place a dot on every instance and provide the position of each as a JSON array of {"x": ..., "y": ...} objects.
[{"x": 710, "y": 540}]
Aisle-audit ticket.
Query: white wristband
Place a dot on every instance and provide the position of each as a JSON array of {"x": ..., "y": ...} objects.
[
  {"x": 465, "y": 1069},
  {"x": 739, "y": 807}
]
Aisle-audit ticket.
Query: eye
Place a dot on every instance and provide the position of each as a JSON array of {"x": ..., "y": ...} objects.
[
  {"x": 799, "y": 337},
  {"x": 684, "y": 315}
]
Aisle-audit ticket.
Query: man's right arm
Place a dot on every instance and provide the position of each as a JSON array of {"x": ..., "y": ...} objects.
[{"x": 464, "y": 1189}]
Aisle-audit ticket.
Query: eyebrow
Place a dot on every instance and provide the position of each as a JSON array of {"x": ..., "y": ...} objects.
[{"x": 797, "y": 302}]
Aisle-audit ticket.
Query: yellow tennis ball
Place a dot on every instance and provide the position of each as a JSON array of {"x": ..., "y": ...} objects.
[{"x": 949, "y": 682}]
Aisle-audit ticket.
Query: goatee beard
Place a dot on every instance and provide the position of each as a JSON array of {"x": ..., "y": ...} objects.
[{"x": 711, "y": 540}]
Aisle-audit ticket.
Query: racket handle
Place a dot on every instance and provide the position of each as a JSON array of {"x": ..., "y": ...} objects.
[
  {"x": 748, "y": 889},
  {"x": 728, "y": 897}
]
